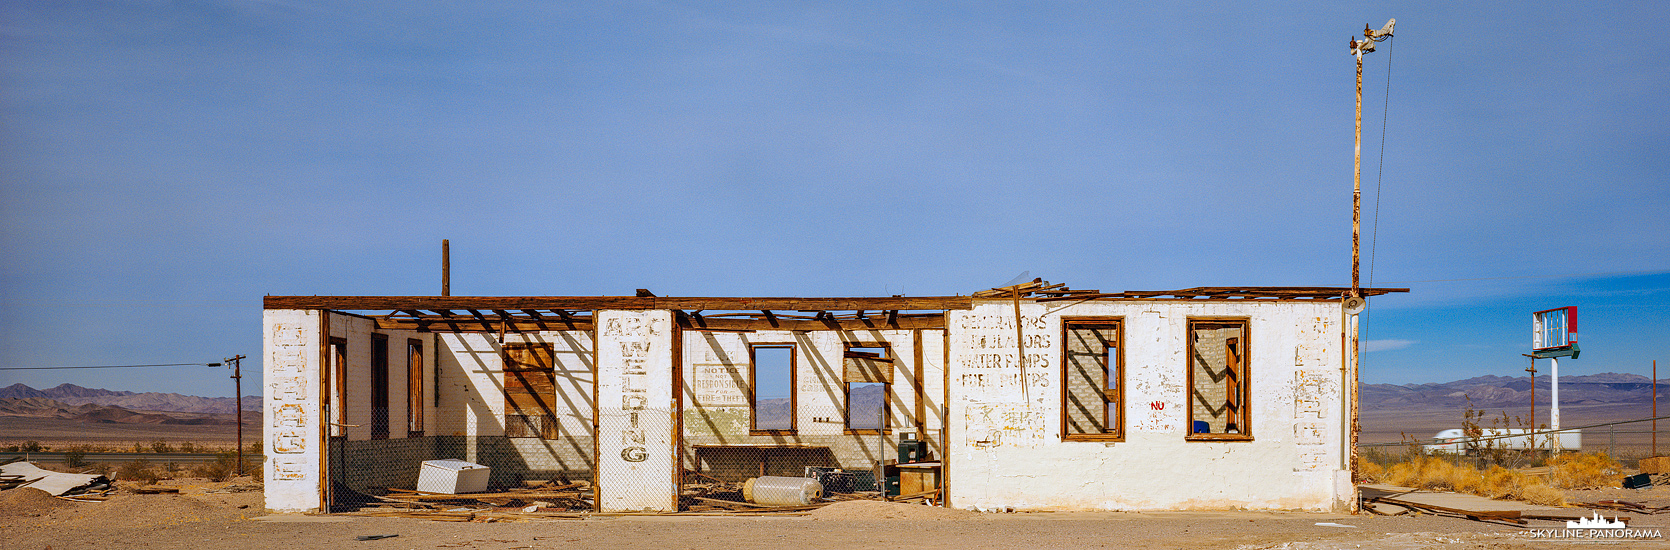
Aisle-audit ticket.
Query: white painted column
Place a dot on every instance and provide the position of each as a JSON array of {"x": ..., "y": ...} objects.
[
  {"x": 1554, "y": 412},
  {"x": 291, "y": 417},
  {"x": 636, "y": 441}
]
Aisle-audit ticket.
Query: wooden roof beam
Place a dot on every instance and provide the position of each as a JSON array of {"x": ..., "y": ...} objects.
[{"x": 362, "y": 303}]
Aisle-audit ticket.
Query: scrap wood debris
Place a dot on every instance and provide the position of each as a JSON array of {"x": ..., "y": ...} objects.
[
  {"x": 1625, "y": 506},
  {"x": 1391, "y": 501}
]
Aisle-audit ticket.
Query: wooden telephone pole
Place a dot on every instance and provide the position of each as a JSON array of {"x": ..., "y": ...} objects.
[{"x": 236, "y": 362}]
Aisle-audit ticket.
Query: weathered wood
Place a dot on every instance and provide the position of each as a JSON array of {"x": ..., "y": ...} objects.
[
  {"x": 903, "y": 322},
  {"x": 393, "y": 303}
]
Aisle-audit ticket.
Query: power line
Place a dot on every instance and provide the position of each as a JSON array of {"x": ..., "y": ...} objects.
[
  {"x": 116, "y": 366},
  {"x": 1532, "y": 277}
]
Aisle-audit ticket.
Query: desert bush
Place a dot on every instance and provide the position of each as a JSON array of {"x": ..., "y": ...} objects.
[
  {"x": 188, "y": 447},
  {"x": 223, "y": 468},
  {"x": 75, "y": 458},
  {"x": 31, "y": 447},
  {"x": 137, "y": 470},
  {"x": 1584, "y": 471},
  {"x": 1438, "y": 473},
  {"x": 160, "y": 446}
]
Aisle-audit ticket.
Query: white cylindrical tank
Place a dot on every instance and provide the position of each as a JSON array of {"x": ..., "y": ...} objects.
[{"x": 782, "y": 491}]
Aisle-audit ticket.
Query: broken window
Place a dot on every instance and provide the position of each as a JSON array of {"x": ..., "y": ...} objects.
[
  {"x": 414, "y": 387},
  {"x": 1094, "y": 376},
  {"x": 530, "y": 389},
  {"x": 339, "y": 387},
  {"x": 771, "y": 387},
  {"x": 1218, "y": 384},
  {"x": 869, "y": 371},
  {"x": 379, "y": 386}
]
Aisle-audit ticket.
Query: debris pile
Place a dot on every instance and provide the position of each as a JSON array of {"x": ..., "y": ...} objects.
[
  {"x": 540, "y": 499},
  {"x": 17, "y": 473}
]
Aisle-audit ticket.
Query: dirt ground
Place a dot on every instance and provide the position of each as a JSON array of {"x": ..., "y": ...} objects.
[{"x": 198, "y": 518}]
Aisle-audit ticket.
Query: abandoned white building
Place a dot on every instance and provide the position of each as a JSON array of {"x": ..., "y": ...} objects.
[{"x": 1030, "y": 397}]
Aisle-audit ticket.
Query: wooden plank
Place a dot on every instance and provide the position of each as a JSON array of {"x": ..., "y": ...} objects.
[
  {"x": 913, "y": 322},
  {"x": 919, "y": 303}
]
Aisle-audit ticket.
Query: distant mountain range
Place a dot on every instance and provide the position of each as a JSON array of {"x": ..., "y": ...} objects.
[
  {"x": 41, "y": 407},
  {"x": 1508, "y": 391},
  {"x": 71, "y": 394}
]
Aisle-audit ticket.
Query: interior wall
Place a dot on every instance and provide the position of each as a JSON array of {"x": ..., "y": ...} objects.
[
  {"x": 357, "y": 331},
  {"x": 716, "y": 374},
  {"x": 471, "y": 403}
]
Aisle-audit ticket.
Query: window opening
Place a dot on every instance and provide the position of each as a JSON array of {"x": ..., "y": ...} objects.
[
  {"x": 379, "y": 386},
  {"x": 1094, "y": 374},
  {"x": 869, "y": 371},
  {"x": 771, "y": 395},
  {"x": 414, "y": 387},
  {"x": 530, "y": 389},
  {"x": 1218, "y": 380}
]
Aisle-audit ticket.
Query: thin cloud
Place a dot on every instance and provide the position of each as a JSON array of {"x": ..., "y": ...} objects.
[{"x": 1386, "y": 345}]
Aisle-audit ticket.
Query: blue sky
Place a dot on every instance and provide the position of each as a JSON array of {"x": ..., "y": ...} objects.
[{"x": 165, "y": 164}]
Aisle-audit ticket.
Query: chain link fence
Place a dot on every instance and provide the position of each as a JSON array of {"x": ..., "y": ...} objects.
[{"x": 553, "y": 467}]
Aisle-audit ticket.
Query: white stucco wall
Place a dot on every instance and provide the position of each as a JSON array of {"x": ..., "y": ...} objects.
[
  {"x": 637, "y": 455},
  {"x": 291, "y": 418},
  {"x": 1006, "y": 445}
]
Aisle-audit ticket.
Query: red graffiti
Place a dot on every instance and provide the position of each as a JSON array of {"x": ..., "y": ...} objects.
[{"x": 1158, "y": 405}]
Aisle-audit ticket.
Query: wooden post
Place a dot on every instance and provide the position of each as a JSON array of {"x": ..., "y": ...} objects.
[{"x": 446, "y": 268}]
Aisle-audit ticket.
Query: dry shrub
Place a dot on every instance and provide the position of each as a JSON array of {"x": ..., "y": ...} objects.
[
  {"x": 137, "y": 470},
  {"x": 1585, "y": 471},
  {"x": 1430, "y": 472}
]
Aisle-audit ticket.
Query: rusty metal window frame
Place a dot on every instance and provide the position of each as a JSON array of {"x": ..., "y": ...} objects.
[
  {"x": 1113, "y": 431},
  {"x": 794, "y": 404},
  {"x": 886, "y": 391},
  {"x": 1244, "y": 426}
]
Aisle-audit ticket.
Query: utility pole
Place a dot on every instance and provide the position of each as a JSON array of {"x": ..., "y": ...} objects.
[
  {"x": 1354, "y": 303},
  {"x": 1370, "y": 36},
  {"x": 236, "y": 362}
]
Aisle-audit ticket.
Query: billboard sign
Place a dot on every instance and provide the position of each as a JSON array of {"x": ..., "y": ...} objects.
[{"x": 1554, "y": 329}]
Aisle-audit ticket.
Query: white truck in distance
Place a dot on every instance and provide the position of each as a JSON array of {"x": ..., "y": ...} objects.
[{"x": 1456, "y": 441}]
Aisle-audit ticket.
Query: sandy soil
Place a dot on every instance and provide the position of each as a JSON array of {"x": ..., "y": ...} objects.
[{"x": 199, "y": 519}]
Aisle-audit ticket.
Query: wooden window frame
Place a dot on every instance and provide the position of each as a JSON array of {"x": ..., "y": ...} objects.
[
  {"x": 339, "y": 389},
  {"x": 886, "y": 392},
  {"x": 516, "y": 423},
  {"x": 414, "y": 387},
  {"x": 1245, "y": 424},
  {"x": 1112, "y": 433},
  {"x": 794, "y": 404},
  {"x": 380, "y": 385}
]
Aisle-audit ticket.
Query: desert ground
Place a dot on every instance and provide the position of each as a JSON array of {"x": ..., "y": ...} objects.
[{"x": 202, "y": 516}]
